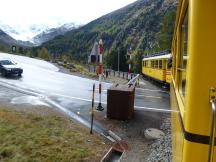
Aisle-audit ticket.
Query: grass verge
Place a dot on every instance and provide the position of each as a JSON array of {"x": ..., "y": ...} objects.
[{"x": 48, "y": 137}]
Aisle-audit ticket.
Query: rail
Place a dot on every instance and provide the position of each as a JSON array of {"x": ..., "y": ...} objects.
[{"x": 212, "y": 131}]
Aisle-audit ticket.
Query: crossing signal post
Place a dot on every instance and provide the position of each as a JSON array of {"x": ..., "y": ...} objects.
[
  {"x": 129, "y": 63},
  {"x": 100, "y": 108}
]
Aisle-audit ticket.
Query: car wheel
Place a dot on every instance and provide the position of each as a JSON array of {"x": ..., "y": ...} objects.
[{"x": 19, "y": 74}]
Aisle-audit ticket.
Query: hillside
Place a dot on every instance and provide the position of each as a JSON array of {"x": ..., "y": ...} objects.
[
  {"x": 6, "y": 41},
  {"x": 145, "y": 25}
]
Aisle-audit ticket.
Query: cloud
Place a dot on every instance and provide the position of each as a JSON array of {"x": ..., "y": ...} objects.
[{"x": 53, "y": 12}]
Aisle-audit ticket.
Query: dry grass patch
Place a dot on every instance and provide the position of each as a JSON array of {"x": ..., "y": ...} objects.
[{"x": 50, "y": 137}]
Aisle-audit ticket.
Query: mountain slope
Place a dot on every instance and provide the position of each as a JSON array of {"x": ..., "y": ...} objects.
[
  {"x": 145, "y": 25},
  {"x": 6, "y": 39}
]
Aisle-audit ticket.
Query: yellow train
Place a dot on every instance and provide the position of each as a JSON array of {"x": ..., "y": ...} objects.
[
  {"x": 156, "y": 66},
  {"x": 193, "y": 82}
]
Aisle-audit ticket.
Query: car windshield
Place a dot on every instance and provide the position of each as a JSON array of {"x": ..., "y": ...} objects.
[{"x": 6, "y": 62}]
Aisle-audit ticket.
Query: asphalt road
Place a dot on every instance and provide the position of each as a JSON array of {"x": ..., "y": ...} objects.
[{"x": 72, "y": 94}]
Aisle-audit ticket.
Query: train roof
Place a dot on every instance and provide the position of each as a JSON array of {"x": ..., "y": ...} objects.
[{"x": 167, "y": 56}]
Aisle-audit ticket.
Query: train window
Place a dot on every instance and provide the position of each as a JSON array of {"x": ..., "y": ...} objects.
[
  {"x": 182, "y": 77},
  {"x": 174, "y": 60},
  {"x": 156, "y": 63},
  {"x": 152, "y": 64},
  {"x": 143, "y": 63},
  {"x": 146, "y": 63},
  {"x": 160, "y": 64}
]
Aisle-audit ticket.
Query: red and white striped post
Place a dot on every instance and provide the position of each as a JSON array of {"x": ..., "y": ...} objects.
[
  {"x": 100, "y": 108},
  {"x": 129, "y": 64}
]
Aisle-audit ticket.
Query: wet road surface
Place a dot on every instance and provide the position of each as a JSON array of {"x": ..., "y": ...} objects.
[{"x": 41, "y": 81}]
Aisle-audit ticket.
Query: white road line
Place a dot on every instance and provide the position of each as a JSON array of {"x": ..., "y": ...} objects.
[
  {"x": 152, "y": 90},
  {"x": 148, "y": 96},
  {"x": 21, "y": 90},
  {"x": 96, "y": 90},
  {"x": 153, "y": 109},
  {"x": 142, "y": 83},
  {"x": 72, "y": 114},
  {"x": 76, "y": 98},
  {"x": 82, "y": 99}
]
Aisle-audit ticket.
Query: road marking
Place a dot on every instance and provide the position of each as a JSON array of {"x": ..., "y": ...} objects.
[
  {"x": 82, "y": 99},
  {"x": 152, "y": 90},
  {"x": 142, "y": 83},
  {"x": 154, "y": 109},
  {"x": 76, "y": 98},
  {"x": 21, "y": 89},
  {"x": 73, "y": 115},
  {"x": 148, "y": 96}
]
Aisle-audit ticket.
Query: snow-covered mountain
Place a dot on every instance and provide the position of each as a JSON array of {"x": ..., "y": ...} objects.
[
  {"x": 36, "y": 34},
  {"x": 17, "y": 32},
  {"x": 49, "y": 34}
]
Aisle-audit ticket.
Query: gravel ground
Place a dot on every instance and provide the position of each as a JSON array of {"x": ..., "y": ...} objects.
[{"x": 161, "y": 150}]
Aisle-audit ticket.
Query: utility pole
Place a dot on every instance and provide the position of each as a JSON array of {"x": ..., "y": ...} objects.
[
  {"x": 118, "y": 60},
  {"x": 100, "y": 108}
]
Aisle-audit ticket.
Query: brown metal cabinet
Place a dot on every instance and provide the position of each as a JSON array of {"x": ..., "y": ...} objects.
[{"x": 120, "y": 102}]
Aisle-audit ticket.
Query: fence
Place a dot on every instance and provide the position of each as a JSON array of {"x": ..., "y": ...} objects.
[{"x": 114, "y": 73}]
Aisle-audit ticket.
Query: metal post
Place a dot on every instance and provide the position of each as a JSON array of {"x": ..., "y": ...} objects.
[
  {"x": 213, "y": 120},
  {"x": 129, "y": 68},
  {"x": 92, "y": 110},
  {"x": 100, "y": 108}
]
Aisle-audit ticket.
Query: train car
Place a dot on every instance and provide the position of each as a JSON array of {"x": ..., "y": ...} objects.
[
  {"x": 193, "y": 82},
  {"x": 157, "y": 67}
]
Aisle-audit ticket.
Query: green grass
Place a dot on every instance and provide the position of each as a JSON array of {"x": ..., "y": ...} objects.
[{"x": 31, "y": 137}]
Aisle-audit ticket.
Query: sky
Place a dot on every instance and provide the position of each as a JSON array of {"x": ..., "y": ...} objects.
[{"x": 24, "y": 13}]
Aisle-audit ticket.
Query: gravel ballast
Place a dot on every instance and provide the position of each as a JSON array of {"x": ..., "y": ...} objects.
[{"x": 161, "y": 149}]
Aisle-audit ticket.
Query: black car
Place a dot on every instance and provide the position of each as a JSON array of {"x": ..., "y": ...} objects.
[{"x": 8, "y": 67}]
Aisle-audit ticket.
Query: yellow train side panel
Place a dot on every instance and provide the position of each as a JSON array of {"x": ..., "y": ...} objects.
[
  {"x": 177, "y": 132},
  {"x": 201, "y": 68},
  {"x": 200, "y": 77},
  {"x": 168, "y": 76},
  {"x": 195, "y": 152},
  {"x": 157, "y": 74},
  {"x": 184, "y": 150}
]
